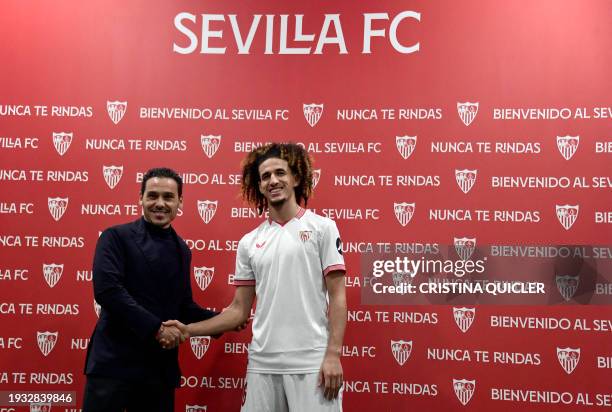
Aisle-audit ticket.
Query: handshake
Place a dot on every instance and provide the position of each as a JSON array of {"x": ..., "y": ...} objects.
[{"x": 172, "y": 333}]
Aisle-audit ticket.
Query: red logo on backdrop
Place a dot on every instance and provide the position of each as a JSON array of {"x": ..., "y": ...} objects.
[
  {"x": 567, "y": 285},
  {"x": 567, "y": 215},
  {"x": 203, "y": 276},
  {"x": 40, "y": 407},
  {"x": 405, "y": 145},
  {"x": 207, "y": 209},
  {"x": 464, "y": 317},
  {"x": 568, "y": 358},
  {"x": 57, "y": 206},
  {"x": 305, "y": 235},
  {"x": 210, "y": 144},
  {"x": 316, "y": 176},
  {"x": 195, "y": 408},
  {"x": 199, "y": 345},
  {"x": 112, "y": 175},
  {"x": 465, "y": 247},
  {"x": 404, "y": 212},
  {"x": 467, "y": 112},
  {"x": 465, "y": 179},
  {"x": 46, "y": 341},
  {"x": 313, "y": 113},
  {"x": 61, "y": 142},
  {"x": 568, "y": 145},
  {"x": 464, "y": 389},
  {"x": 97, "y": 308},
  {"x": 52, "y": 273},
  {"x": 116, "y": 110},
  {"x": 401, "y": 350}
]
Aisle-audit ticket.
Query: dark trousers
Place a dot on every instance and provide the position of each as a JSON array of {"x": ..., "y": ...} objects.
[{"x": 113, "y": 395}]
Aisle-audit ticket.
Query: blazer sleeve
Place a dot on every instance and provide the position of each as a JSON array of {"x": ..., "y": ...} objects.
[{"x": 110, "y": 291}]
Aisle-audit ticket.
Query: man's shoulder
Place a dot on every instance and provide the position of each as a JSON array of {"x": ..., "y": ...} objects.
[
  {"x": 124, "y": 228},
  {"x": 251, "y": 235},
  {"x": 316, "y": 219}
]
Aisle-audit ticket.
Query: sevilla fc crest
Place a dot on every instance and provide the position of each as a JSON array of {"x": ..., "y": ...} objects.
[
  {"x": 207, "y": 209},
  {"x": 195, "y": 408},
  {"x": 316, "y": 176},
  {"x": 57, "y": 206},
  {"x": 467, "y": 112},
  {"x": 62, "y": 141},
  {"x": 46, "y": 341},
  {"x": 199, "y": 345},
  {"x": 52, "y": 273},
  {"x": 405, "y": 145},
  {"x": 465, "y": 179},
  {"x": 116, "y": 110},
  {"x": 203, "y": 276},
  {"x": 210, "y": 144},
  {"x": 567, "y": 215},
  {"x": 464, "y": 390},
  {"x": 568, "y": 358},
  {"x": 97, "y": 308},
  {"x": 568, "y": 145},
  {"x": 313, "y": 113},
  {"x": 40, "y": 407},
  {"x": 567, "y": 285},
  {"x": 401, "y": 350},
  {"x": 112, "y": 175},
  {"x": 305, "y": 235},
  {"x": 404, "y": 212},
  {"x": 465, "y": 247},
  {"x": 464, "y": 317}
]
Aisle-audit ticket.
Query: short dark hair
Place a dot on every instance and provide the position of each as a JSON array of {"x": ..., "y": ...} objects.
[
  {"x": 162, "y": 172},
  {"x": 298, "y": 160}
]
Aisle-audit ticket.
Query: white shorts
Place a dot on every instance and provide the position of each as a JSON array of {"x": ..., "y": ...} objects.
[{"x": 286, "y": 393}]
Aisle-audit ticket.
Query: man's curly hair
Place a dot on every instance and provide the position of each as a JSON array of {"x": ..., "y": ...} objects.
[{"x": 299, "y": 162}]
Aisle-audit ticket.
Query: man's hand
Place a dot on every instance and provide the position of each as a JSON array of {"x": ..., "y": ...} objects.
[
  {"x": 330, "y": 376},
  {"x": 170, "y": 336}
]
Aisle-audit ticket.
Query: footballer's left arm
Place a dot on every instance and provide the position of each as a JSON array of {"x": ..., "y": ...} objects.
[{"x": 331, "y": 375}]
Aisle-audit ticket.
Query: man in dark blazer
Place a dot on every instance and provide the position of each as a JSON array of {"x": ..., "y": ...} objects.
[{"x": 140, "y": 278}]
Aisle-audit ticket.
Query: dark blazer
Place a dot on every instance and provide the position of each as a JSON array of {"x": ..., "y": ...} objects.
[{"x": 136, "y": 297}]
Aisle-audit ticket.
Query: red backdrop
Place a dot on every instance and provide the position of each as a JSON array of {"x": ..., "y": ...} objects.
[{"x": 538, "y": 71}]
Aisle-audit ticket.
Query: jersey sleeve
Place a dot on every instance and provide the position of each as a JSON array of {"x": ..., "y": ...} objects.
[
  {"x": 331, "y": 249},
  {"x": 243, "y": 275}
]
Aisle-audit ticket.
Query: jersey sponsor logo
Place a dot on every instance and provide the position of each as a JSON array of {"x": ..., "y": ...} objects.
[
  {"x": 207, "y": 209},
  {"x": 61, "y": 142},
  {"x": 97, "y": 308},
  {"x": 405, "y": 145},
  {"x": 210, "y": 144},
  {"x": 203, "y": 276},
  {"x": 404, "y": 212},
  {"x": 467, "y": 112},
  {"x": 401, "y": 350},
  {"x": 464, "y": 318},
  {"x": 313, "y": 113},
  {"x": 46, "y": 341},
  {"x": 305, "y": 235},
  {"x": 199, "y": 345},
  {"x": 195, "y": 408},
  {"x": 464, "y": 389},
  {"x": 52, "y": 273},
  {"x": 316, "y": 176},
  {"x": 40, "y": 407},
  {"x": 567, "y": 215},
  {"x": 567, "y": 285},
  {"x": 465, "y": 179},
  {"x": 116, "y": 110},
  {"x": 464, "y": 246},
  {"x": 568, "y": 358},
  {"x": 112, "y": 175},
  {"x": 568, "y": 145},
  {"x": 57, "y": 206}
]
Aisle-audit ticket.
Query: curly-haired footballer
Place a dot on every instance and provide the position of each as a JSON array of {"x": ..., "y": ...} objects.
[{"x": 293, "y": 263}]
